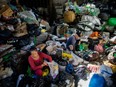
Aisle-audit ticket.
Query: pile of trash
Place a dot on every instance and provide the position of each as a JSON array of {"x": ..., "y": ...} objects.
[{"x": 92, "y": 63}]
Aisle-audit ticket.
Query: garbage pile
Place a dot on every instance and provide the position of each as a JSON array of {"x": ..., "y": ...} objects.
[{"x": 82, "y": 46}]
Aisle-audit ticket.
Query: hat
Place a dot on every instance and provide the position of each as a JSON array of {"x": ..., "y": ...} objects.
[{"x": 78, "y": 33}]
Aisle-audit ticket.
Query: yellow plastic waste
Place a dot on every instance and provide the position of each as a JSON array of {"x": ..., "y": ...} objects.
[
  {"x": 43, "y": 31},
  {"x": 45, "y": 72},
  {"x": 113, "y": 67},
  {"x": 66, "y": 55}
]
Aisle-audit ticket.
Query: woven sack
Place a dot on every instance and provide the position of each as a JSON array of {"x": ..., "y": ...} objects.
[
  {"x": 21, "y": 30},
  {"x": 69, "y": 16}
]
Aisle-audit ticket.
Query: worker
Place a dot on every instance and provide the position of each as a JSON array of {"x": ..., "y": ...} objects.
[
  {"x": 36, "y": 60},
  {"x": 73, "y": 40}
]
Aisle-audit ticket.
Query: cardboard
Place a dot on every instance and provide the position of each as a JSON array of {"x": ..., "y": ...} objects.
[
  {"x": 5, "y": 10},
  {"x": 21, "y": 30}
]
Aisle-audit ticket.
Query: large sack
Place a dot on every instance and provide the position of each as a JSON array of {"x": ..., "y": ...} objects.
[
  {"x": 64, "y": 80},
  {"x": 5, "y": 10},
  {"x": 61, "y": 30},
  {"x": 28, "y": 17},
  {"x": 92, "y": 19},
  {"x": 21, "y": 30},
  {"x": 42, "y": 38},
  {"x": 5, "y": 72},
  {"x": 69, "y": 16},
  {"x": 5, "y": 35}
]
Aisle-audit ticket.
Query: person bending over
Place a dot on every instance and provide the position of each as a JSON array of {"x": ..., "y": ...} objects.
[
  {"x": 36, "y": 60},
  {"x": 70, "y": 44}
]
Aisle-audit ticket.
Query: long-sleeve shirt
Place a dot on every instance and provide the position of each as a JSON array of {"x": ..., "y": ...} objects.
[
  {"x": 37, "y": 64},
  {"x": 71, "y": 41}
]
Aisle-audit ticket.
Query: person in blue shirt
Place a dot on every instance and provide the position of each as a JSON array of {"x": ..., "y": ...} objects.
[{"x": 70, "y": 44}]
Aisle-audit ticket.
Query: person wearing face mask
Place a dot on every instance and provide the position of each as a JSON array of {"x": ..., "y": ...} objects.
[
  {"x": 73, "y": 40},
  {"x": 36, "y": 60}
]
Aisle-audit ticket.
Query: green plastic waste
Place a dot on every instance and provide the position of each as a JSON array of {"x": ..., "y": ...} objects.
[
  {"x": 114, "y": 55},
  {"x": 105, "y": 45},
  {"x": 81, "y": 48},
  {"x": 29, "y": 72},
  {"x": 112, "y": 22},
  {"x": 7, "y": 57},
  {"x": 35, "y": 40},
  {"x": 77, "y": 11},
  {"x": 85, "y": 46}
]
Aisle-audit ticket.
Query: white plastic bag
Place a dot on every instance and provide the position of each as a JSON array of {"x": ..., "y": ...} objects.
[
  {"x": 110, "y": 55},
  {"x": 54, "y": 69},
  {"x": 92, "y": 19},
  {"x": 4, "y": 73},
  {"x": 76, "y": 59},
  {"x": 28, "y": 16},
  {"x": 19, "y": 79}
]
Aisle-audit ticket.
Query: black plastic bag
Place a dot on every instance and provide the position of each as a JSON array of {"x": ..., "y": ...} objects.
[
  {"x": 25, "y": 81},
  {"x": 42, "y": 82},
  {"x": 8, "y": 82},
  {"x": 61, "y": 79},
  {"x": 23, "y": 41},
  {"x": 4, "y": 35}
]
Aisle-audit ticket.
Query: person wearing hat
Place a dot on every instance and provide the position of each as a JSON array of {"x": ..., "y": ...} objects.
[
  {"x": 70, "y": 44},
  {"x": 36, "y": 61}
]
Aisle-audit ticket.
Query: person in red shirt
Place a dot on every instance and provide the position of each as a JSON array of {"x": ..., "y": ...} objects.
[{"x": 36, "y": 60}]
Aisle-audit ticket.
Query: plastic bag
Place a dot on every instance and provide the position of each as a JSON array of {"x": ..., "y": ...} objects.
[
  {"x": 54, "y": 69},
  {"x": 112, "y": 21},
  {"x": 69, "y": 68},
  {"x": 92, "y": 19},
  {"x": 92, "y": 10},
  {"x": 86, "y": 26},
  {"x": 5, "y": 72},
  {"x": 21, "y": 30},
  {"x": 110, "y": 55},
  {"x": 97, "y": 79},
  {"x": 69, "y": 16},
  {"x": 76, "y": 59},
  {"x": 99, "y": 48},
  {"x": 28, "y": 17},
  {"x": 106, "y": 71},
  {"x": 81, "y": 72}
]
